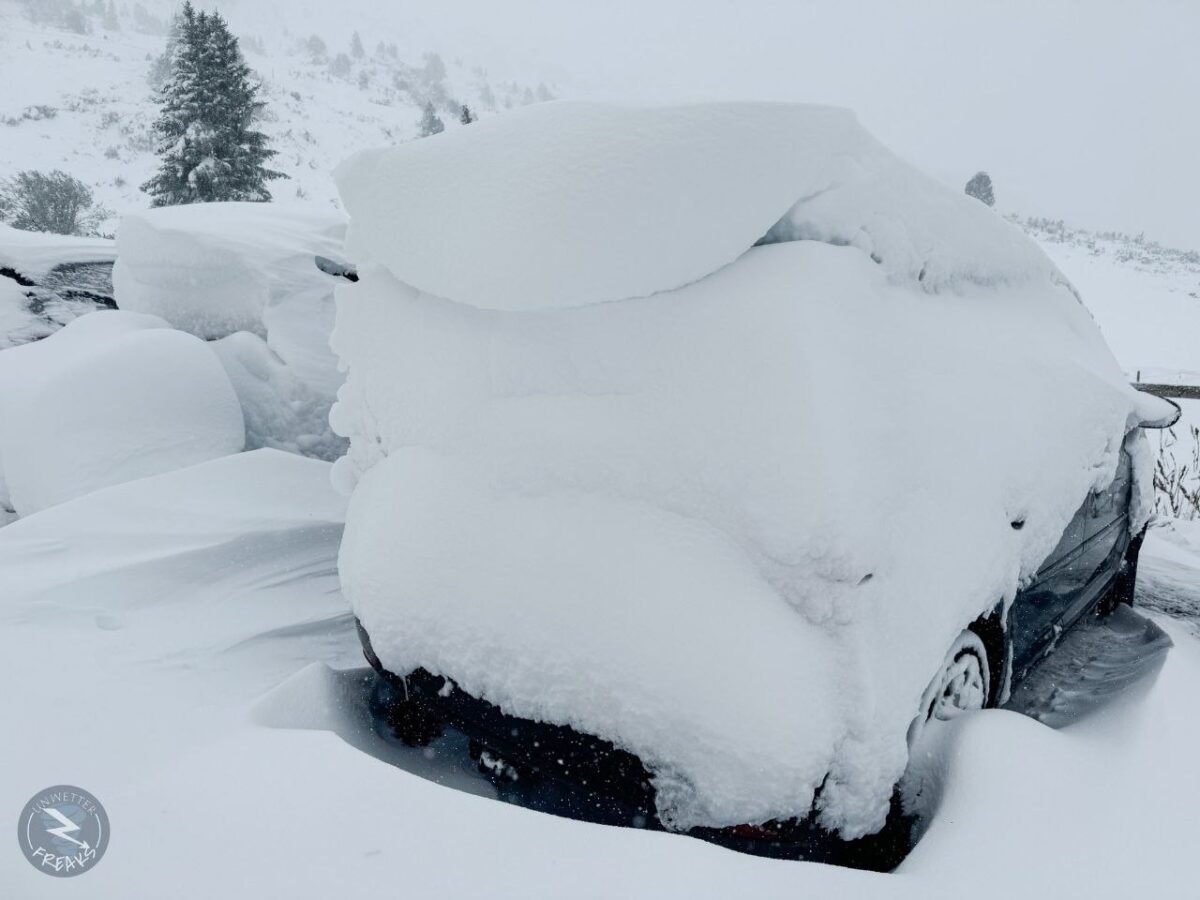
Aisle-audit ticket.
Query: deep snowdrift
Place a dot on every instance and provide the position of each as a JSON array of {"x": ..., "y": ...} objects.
[
  {"x": 111, "y": 397},
  {"x": 801, "y": 470},
  {"x": 186, "y": 597}
]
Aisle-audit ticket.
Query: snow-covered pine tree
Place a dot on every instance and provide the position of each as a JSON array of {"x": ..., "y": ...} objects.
[
  {"x": 980, "y": 187},
  {"x": 356, "y": 47},
  {"x": 466, "y": 117},
  {"x": 208, "y": 148},
  {"x": 430, "y": 124}
]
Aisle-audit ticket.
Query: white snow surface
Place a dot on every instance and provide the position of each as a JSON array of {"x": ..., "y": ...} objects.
[
  {"x": 174, "y": 607},
  {"x": 111, "y": 397},
  {"x": 569, "y": 203},
  {"x": 194, "y": 604},
  {"x": 799, "y": 471},
  {"x": 212, "y": 269},
  {"x": 244, "y": 276}
]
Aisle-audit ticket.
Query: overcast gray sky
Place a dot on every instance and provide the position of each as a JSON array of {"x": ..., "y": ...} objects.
[{"x": 1084, "y": 111}]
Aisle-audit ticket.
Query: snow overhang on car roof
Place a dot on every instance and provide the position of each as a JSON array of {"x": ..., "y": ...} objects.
[{"x": 566, "y": 204}]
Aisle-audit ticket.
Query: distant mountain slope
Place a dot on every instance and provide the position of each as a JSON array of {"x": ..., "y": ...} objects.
[
  {"x": 77, "y": 93},
  {"x": 1145, "y": 296}
]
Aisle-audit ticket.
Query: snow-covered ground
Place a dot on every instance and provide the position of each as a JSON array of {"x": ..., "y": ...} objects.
[
  {"x": 166, "y": 643},
  {"x": 178, "y": 644},
  {"x": 170, "y": 644}
]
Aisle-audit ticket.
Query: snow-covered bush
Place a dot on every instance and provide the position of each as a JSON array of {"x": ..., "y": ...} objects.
[
  {"x": 1177, "y": 474},
  {"x": 111, "y": 397},
  {"x": 651, "y": 407},
  {"x": 980, "y": 187},
  {"x": 54, "y": 202}
]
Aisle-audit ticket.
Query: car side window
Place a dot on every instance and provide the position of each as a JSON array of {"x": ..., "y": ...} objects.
[
  {"x": 1073, "y": 536},
  {"x": 1099, "y": 510}
]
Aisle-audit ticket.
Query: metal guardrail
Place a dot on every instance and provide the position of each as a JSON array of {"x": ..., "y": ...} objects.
[{"x": 1171, "y": 391}]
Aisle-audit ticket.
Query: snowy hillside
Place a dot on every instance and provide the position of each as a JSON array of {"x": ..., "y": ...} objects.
[
  {"x": 1145, "y": 296},
  {"x": 84, "y": 101}
]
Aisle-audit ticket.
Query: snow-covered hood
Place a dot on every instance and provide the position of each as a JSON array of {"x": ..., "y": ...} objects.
[{"x": 796, "y": 464}]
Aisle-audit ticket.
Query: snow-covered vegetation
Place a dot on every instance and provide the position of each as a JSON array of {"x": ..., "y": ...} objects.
[{"x": 88, "y": 71}]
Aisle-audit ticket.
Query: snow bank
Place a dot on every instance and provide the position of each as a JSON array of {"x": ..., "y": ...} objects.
[
  {"x": 563, "y": 204},
  {"x": 111, "y": 397},
  {"x": 215, "y": 268},
  {"x": 230, "y": 527},
  {"x": 732, "y": 526}
]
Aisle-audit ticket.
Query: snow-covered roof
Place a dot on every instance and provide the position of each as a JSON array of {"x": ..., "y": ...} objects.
[{"x": 566, "y": 203}]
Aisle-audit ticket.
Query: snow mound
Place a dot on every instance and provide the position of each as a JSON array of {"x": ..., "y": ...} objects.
[
  {"x": 111, "y": 397},
  {"x": 798, "y": 473},
  {"x": 221, "y": 522},
  {"x": 215, "y": 268},
  {"x": 564, "y": 204}
]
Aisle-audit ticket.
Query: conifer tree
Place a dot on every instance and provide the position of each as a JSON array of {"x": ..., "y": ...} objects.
[
  {"x": 430, "y": 124},
  {"x": 980, "y": 187},
  {"x": 208, "y": 148}
]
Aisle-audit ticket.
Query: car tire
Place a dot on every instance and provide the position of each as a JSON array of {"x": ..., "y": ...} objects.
[{"x": 963, "y": 684}]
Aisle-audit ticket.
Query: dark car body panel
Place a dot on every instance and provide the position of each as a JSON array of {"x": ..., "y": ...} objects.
[{"x": 1081, "y": 570}]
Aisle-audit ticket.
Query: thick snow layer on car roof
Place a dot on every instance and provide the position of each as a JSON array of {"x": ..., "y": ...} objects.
[
  {"x": 567, "y": 203},
  {"x": 629, "y": 516}
]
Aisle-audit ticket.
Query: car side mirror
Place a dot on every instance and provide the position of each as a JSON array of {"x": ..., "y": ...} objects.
[{"x": 1153, "y": 411}]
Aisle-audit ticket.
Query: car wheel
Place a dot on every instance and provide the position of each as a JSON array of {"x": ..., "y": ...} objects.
[{"x": 962, "y": 684}]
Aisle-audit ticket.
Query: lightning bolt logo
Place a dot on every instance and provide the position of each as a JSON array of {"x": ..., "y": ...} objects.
[{"x": 64, "y": 828}]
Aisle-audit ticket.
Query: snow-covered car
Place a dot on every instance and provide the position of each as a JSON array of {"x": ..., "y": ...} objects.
[
  {"x": 46, "y": 280},
  {"x": 700, "y": 456}
]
